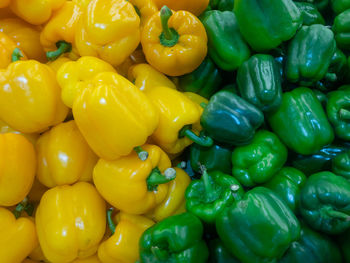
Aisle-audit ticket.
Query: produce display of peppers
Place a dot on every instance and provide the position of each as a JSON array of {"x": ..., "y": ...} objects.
[{"x": 174, "y": 131}]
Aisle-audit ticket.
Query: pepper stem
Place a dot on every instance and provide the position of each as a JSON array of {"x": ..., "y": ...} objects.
[
  {"x": 143, "y": 155},
  {"x": 209, "y": 191},
  {"x": 344, "y": 114},
  {"x": 234, "y": 188},
  {"x": 62, "y": 47},
  {"x": 24, "y": 206},
  {"x": 110, "y": 222},
  {"x": 16, "y": 55},
  {"x": 201, "y": 140},
  {"x": 156, "y": 178},
  {"x": 332, "y": 77},
  {"x": 338, "y": 215},
  {"x": 169, "y": 36}
]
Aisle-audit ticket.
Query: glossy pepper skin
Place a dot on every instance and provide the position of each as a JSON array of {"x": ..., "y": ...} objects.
[
  {"x": 33, "y": 103},
  {"x": 174, "y": 43},
  {"x": 287, "y": 184},
  {"x": 17, "y": 168},
  {"x": 328, "y": 213},
  {"x": 222, "y": 5},
  {"x": 219, "y": 254},
  {"x": 70, "y": 222},
  {"x": 341, "y": 165},
  {"x": 309, "y": 54},
  {"x": 32, "y": 137},
  {"x": 312, "y": 247},
  {"x": 339, "y": 6},
  {"x": 259, "y": 82},
  {"x": 204, "y": 81},
  {"x": 301, "y": 122},
  {"x": 207, "y": 197},
  {"x": 341, "y": 28},
  {"x": 175, "y": 239},
  {"x": 231, "y": 120},
  {"x": 258, "y": 161},
  {"x": 259, "y": 22},
  {"x": 310, "y": 14},
  {"x": 226, "y": 46},
  {"x": 7, "y": 46},
  {"x": 64, "y": 157},
  {"x": 123, "y": 245},
  {"x": 113, "y": 115},
  {"x": 258, "y": 228},
  {"x": 71, "y": 76},
  {"x": 145, "y": 9},
  {"x": 108, "y": 30},
  {"x": 18, "y": 237},
  {"x": 196, "y": 7},
  {"x": 56, "y": 64}
]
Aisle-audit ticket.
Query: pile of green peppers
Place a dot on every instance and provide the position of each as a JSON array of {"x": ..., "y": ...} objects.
[{"x": 275, "y": 185}]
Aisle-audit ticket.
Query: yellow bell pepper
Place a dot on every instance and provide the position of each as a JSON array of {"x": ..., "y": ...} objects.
[
  {"x": 18, "y": 237},
  {"x": 56, "y": 64},
  {"x": 25, "y": 35},
  {"x": 136, "y": 57},
  {"x": 174, "y": 43},
  {"x": 198, "y": 100},
  {"x": 30, "y": 98},
  {"x": 178, "y": 120},
  {"x": 37, "y": 255},
  {"x": 145, "y": 76},
  {"x": 70, "y": 222},
  {"x": 132, "y": 185},
  {"x": 113, "y": 115},
  {"x": 28, "y": 260},
  {"x": 35, "y": 12},
  {"x": 108, "y": 29},
  {"x": 7, "y": 48},
  {"x": 92, "y": 259},
  {"x": 60, "y": 30},
  {"x": 174, "y": 202},
  {"x": 123, "y": 245},
  {"x": 145, "y": 9},
  {"x": 63, "y": 156},
  {"x": 72, "y": 76},
  {"x": 32, "y": 137},
  {"x": 17, "y": 168},
  {"x": 196, "y": 7},
  {"x": 4, "y": 3}
]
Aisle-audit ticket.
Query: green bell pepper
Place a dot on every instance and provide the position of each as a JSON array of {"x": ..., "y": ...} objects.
[
  {"x": 258, "y": 228},
  {"x": 209, "y": 196},
  {"x": 301, "y": 122},
  {"x": 222, "y": 5},
  {"x": 175, "y": 239},
  {"x": 341, "y": 28},
  {"x": 312, "y": 247},
  {"x": 325, "y": 203},
  {"x": 310, "y": 14},
  {"x": 340, "y": 6},
  {"x": 226, "y": 47},
  {"x": 344, "y": 242},
  {"x": 265, "y": 24},
  {"x": 319, "y": 4},
  {"x": 258, "y": 161},
  {"x": 309, "y": 54},
  {"x": 219, "y": 254},
  {"x": 341, "y": 165},
  {"x": 216, "y": 157},
  {"x": 205, "y": 80},
  {"x": 259, "y": 82},
  {"x": 322, "y": 98},
  {"x": 231, "y": 120},
  {"x": 287, "y": 184}
]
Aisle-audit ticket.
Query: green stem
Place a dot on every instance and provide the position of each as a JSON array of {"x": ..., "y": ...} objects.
[
  {"x": 16, "y": 55},
  {"x": 110, "y": 222},
  {"x": 234, "y": 189},
  {"x": 24, "y": 206},
  {"x": 156, "y": 178},
  {"x": 344, "y": 114},
  {"x": 181, "y": 165},
  {"x": 332, "y": 77},
  {"x": 62, "y": 47},
  {"x": 143, "y": 155},
  {"x": 338, "y": 215},
  {"x": 169, "y": 36},
  {"x": 209, "y": 191},
  {"x": 201, "y": 140}
]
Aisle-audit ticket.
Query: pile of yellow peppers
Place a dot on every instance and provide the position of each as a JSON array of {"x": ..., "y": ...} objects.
[{"x": 91, "y": 124}]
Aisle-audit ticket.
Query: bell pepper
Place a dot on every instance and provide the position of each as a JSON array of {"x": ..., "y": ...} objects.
[
  {"x": 70, "y": 222},
  {"x": 341, "y": 29},
  {"x": 7, "y": 48},
  {"x": 226, "y": 46},
  {"x": 4, "y": 3},
  {"x": 174, "y": 203},
  {"x": 64, "y": 157},
  {"x": 37, "y": 254},
  {"x": 312, "y": 247},
  {"x": 145, "y": 9},
  {"x": 56, "y": 64},
  {"x": 35, "y": 12},
  {"x": 207, "y": 197},
  {"x": 108, "y": 30},
  {"x": 259, "y": 22},
  {"x": 136, "y": 57},
  {"x": 259, "y": 82},
  {"x": 320, "y": 4},
  {"x": 174, "y": 43},
  {"x": 301, "y": 122},
  {"x": 17, "y": 168},
  {"x": 231, "y": 120},
  {"x": 29, "y": 97},
  {"x": 32, "y": 137},
  {"x": 258, "y": 161},
  {"x": 205, "y": 80},
  {"x": 196, "y": 7},
  {"x": 92, "y": 259},
  {"x": 325, "y": 203},
  {"x": 175, "y": 239},
  {"x": 310, "y": 14},
  {"x": 72, "y": 76},
  {"x": 59, "y": 32},
  {"x": 309, "y": 54},
  {"x": 341, "y": 164},
  {"x": 287, "y": 184},
  {"x": 27, "y": 260},
  {"x": 132, "y": 185},
  {"x": 258, "y": 228},
  {"x": 113, "y": 115},
  {"x": 145, "y": 77},
  {"x": 222, "y": 5},
  {"x": 219, "y": 254},
  {"x": 26, "y": 36},
  {"x": 123, "y": 245},
  {"x": 18, "y": 237},
  {"x": 178, "y": 122},
  {"x": 340, "y": 6}
]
